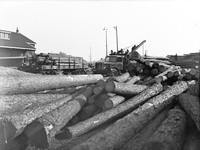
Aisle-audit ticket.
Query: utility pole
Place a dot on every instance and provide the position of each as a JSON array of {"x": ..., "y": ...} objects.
[
  {"x": 106, "y": 41},
  {"x": 116, "y": 37},
  {"x": 90, "y": 55}
]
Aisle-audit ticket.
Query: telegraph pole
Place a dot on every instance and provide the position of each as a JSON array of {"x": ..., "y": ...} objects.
[
  {"x": 116, "y": 37},
  {"x": 106, "y": 40}
]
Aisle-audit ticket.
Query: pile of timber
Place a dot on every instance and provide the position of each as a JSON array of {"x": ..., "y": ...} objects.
[
  {"x": 190, "y": 60},
  {"x": 136, "y": 110}
]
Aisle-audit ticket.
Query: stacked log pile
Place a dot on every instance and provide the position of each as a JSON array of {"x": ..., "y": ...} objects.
[{"x": 155, "y": 105}]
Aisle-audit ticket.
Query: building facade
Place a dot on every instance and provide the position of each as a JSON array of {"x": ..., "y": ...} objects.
[{"x": 14, "y": 46}]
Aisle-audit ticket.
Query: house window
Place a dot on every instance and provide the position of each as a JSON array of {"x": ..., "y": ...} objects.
[{"x": 4, "y": 35}]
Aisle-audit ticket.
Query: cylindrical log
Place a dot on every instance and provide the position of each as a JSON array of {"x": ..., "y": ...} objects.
[
  {"x": 14, "y": 124},
  {"x": 154, "y": 71},
  {"x": 133, "y": 80},
  {"x": 76, "y": 119},
  {"x": 57, "y": 118},
  {"x": 117, "y": 134},
  {"x": 99, "y": 87},
  {"x": 99, "y": 102},
  {"x": 22, "y": 85},
  {"x": 12, "y": 103},
  {"x": 123, "y": 88},
  {"x": 122, "y": 78},
  {"x": 171, "y": 133},
  {"x": 87, "y": 112},
  {"x": 194, "y": 89},
  {"x": 124, "y": 107},
  {"x": 18, "y": 143},
  {"x": 161, "y": 79},
  {"x": 136, "y": 56},
  {"x": 140, "y": 139},
  {"x": 191, "y": 105},
  {"x": 113, "y": 101},
  {"x": 6, "y": 71}
]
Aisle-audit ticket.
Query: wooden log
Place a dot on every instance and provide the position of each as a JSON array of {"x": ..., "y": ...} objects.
[
  {"x": 154, "y": 72},
  {"x": 12, "y": 103},
  {"x": 99, "y": 86},
  {"x": 18, "y": 143},
  {"x": 113, "y": 101},
  {"x": 155, "y": 65},
  {"x": 133, "y": 79},
  {"x": 171, "y": 68},
  {"x": 136, "y": 142},
  {"x": 136, "y": 56},
  {"x": 171, "y": 133},
  {"x": 191, "y": 105},
  {"x": 161, "y": 79},
  {"x": 117, "y": 134},
  {"x": 58, "y": 118},
  {"x": 23, "y": 85},
  {"x": 194, "y": 89},
  {"x": 87, "y": 112},
  {"x": 122, "y": 78},
  {"x": 76, "y": 119},
  {"x": 14, "y": 124},
  {"x": 99, "y": 110},
  {"x": 148, "y": 78},
  {"x": 161, "y": 68},
  {"x": 99, "y": 102},
  {"x": 192, "y": 139},
  {"x": 6, "y": 71},
  {"x": 120, "y": 109},
  {"x": 123, "y": 88}
]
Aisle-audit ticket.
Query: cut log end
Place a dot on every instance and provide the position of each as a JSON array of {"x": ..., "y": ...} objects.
[
  {"x": 110, "y": 86},
  {"x": 63, "y": 135},
  {"x": 108, "y": 104}
]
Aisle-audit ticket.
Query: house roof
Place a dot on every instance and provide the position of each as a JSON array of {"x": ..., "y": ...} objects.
[{"x": 17, "y": 41}]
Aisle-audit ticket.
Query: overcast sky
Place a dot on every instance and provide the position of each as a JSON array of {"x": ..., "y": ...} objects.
[{"x": 72, "y": 27}]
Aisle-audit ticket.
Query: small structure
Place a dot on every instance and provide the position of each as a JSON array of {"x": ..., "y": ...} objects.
[{"x": 14, "y": 47}]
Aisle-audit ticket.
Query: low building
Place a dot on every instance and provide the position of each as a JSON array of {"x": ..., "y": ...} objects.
[{"x": 14, "y": 46}]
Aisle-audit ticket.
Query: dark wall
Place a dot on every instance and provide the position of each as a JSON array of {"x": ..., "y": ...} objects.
[{"x": 4, "y": 52}]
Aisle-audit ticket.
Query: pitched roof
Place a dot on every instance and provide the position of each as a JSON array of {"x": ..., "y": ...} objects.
[{"x": 17, "y": 41}]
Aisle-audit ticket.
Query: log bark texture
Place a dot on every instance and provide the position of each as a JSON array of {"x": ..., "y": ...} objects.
[
  {"x": 23, "y": 85},
  {"x": 191, "y": 105},
  {"x": 6, "y": 71},
  {"x": 123, "y": 88},
  {"x": 171, "y": 133},
  {"x": 101, "y": 118},
  {"x": 116, "y": 135},
  {"x": 58, "y": 118},
  {"x": 13, "y": 103},
  {"x": 122, "y": 78},
  {"x": 137, "y": 142},
  {"x": 113, "y": 101},
  {"x": 14, "y": 124}
]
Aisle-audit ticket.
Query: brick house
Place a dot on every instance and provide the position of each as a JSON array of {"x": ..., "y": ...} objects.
[{"x": 14, "y": 46}]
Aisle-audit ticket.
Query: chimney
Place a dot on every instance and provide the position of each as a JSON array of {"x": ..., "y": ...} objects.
[{"x": 17, "y": 31}]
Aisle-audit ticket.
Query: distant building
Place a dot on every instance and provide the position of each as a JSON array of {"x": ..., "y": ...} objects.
[{"x": 14, "y": 47}]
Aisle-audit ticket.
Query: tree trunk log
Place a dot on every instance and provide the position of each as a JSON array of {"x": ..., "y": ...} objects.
[
  {"x": 140, "y": 139},
  {"x": 14, "y": 124},
  {"x": 12, "y": 103},
  {"x": 87, "y": 112},
  {"x": 122, "y": 78},
  {"x": 120, "y": 109},
  {"x": 194, "y": 89},
  {"x": 116, "y": 135},
  {"x": 191, "y": 105},
  {"x": 23, "y": 85},
  {"x": 171, "y": 133},
  {"x": 123, "y": 88},
  {"x": 58, "y": 118},
  {"x": 113, "y": 101},
  {"x": 6, "y": 71}
]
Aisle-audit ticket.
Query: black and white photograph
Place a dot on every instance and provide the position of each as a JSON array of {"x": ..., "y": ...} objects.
[{"x": 99, "y": 75}]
